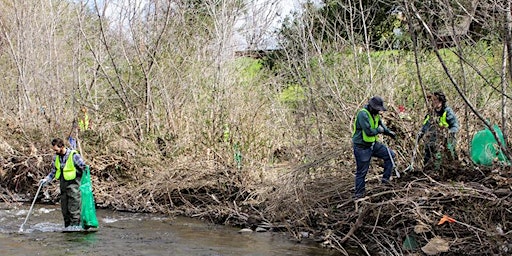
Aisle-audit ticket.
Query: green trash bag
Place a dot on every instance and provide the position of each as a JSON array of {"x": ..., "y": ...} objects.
[
  {"x": 88, "y": 213},
  {"x": 485, "y": 149}
]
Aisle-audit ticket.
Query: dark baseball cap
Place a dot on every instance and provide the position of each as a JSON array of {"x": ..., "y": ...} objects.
[{"x": 377, "y": 103}]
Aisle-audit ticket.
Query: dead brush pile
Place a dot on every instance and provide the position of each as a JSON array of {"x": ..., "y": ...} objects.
[
  {"x": 456, "y": 210},
  {"x": 126, "y": 177}
]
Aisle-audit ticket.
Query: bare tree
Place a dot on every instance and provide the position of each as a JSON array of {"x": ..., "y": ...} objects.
[{"x": 458, "y": 32}]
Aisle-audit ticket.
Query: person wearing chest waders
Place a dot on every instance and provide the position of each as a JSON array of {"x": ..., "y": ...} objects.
[
  {"x": 67, "y": 167},
  {"x": 367, "y": 126}
]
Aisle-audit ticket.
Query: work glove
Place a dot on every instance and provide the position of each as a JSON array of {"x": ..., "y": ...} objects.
[
  {"x": 420, "y": 135},
  {"x": 44, "y": 182},
  {"x": 380, "y": 129}
]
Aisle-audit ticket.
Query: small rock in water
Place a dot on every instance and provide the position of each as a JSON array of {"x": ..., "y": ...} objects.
[
  {"x": 21, "y": 212},
  {"x": 245, "y": 230},
  {"x": 109, "y": 220},
  {"x": 44, "y": 210},
  {"x": 304, "y": 234},
  {"x": 258, "y": 229}
]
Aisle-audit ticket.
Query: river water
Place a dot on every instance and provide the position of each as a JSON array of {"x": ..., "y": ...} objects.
[{"x": 127, "y": 234}]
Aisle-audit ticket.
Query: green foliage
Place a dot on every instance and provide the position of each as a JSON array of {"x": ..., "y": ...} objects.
[
  {"x": 331, "y": 21},
  {"x": 382, "y": 25},
  {"x": 117, "y": 114},
  {"x": 249, "y": 68},
  {"x": 293, "y": 95},
  {"x": 344, "y": 77}
]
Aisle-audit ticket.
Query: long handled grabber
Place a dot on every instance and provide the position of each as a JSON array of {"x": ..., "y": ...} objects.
[
  {"x": 31, "y": 206},
  {"x": 392, "y": 161},
  {"x": 411, "y": 165}
]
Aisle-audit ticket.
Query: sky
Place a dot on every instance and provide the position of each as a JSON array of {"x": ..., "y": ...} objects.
[
  {"x": 254, "y": 25},
  {"x": 254, "y": 31}
]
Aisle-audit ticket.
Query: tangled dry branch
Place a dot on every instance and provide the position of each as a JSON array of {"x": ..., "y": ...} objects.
[{"x": 311, "y": 199}]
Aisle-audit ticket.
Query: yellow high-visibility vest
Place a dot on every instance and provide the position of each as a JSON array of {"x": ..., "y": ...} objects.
[
  {"x": 442, "y": 120},
  {"x": 69, "y": 169},
  {"x": 83, "y": 123},
  {"x": 374, "y": 123}
]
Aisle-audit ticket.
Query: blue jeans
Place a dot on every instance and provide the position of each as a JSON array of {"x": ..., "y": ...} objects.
[{"x": 363, "y": 157}]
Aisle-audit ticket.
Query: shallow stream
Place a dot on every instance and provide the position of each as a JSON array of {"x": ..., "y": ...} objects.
[{"x": 127, "y": 234}]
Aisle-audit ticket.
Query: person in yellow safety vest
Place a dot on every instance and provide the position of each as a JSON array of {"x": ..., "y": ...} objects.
[
  {"x": 67, "y": 167},
  {"x": 83, "y": 120},
  {"x": 367, "y": 126},
  {"x": 443, "y": 119}
]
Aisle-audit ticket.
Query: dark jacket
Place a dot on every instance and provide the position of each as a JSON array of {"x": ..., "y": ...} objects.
[
  {"x": 451, "y": 119},
  {"x": 362, "y": 122}
]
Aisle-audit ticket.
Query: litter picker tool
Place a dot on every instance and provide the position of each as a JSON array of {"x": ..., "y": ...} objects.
[
  {"x": 411, "y": 165},
  {"x": 392, "y": 160},
  {"x": 31, "y": 206}
]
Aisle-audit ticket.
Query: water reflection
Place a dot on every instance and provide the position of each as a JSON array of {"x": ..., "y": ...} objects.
[{"x": 138, "y": 234}]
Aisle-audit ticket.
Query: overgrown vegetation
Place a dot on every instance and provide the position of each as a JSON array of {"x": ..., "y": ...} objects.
[{"x": 179, "y": 125}]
